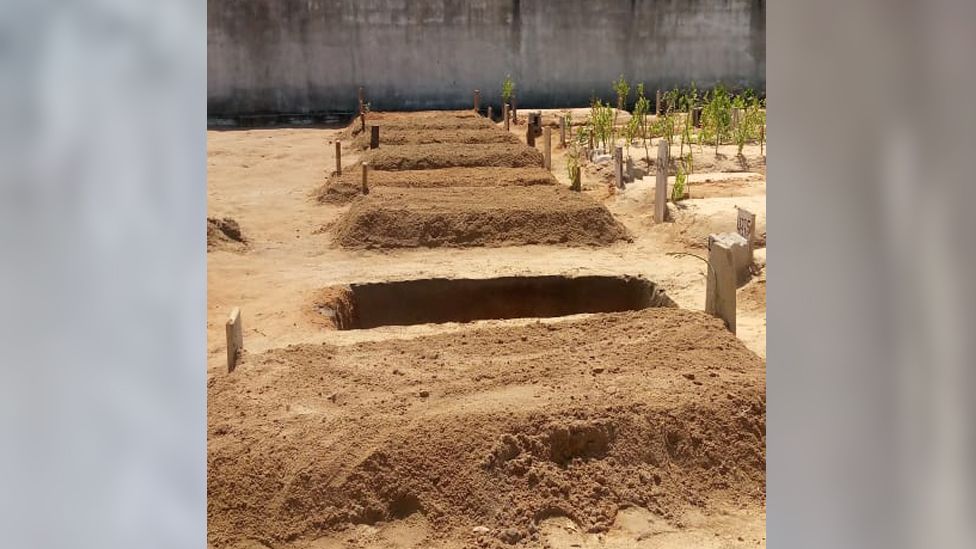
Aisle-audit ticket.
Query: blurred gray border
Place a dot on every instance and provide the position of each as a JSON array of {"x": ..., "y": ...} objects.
[
  {"x": 870, "y": 339},
  {"x": 102, "y": 274}
]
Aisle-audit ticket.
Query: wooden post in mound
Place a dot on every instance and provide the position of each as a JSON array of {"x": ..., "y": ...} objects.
[
  {"x": 489, "y": 113},
  {"x": 661, "y": 183},
  {"x": 562, "y": 131},
  {"x": 696, "y": 117},
  {"x": 514, "y": 110},
  {"x": 365, "y": 175},
  {"x": 338, "y": 157},
  {"x": 618, "y": 166},
  {"x": 374, "y": 137},
  {"x": 720, "y": 289},
  {"x": 547, "y": 146},
  {"x": 477, "y": 100},
  {"x": 505, "y": 115},
  {"x": 235, "y": 338}
]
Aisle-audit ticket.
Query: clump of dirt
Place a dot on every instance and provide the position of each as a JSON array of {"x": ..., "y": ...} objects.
[
  {"x": 224, "y": 234},
  {"x": 500, "y": 427},
  {"x": 404, "y": 136},
  {"x": 340, "y": 189},
  {"x": 443, "y": 155},
  {"x": 510, "y": 216}
]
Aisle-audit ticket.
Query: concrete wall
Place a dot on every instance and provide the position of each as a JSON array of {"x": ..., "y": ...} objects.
[{"x": 305, "y": 56}]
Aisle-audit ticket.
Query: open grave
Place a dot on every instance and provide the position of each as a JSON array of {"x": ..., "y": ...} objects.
[
  {"x": 340, "y": 189},
  {"x": 438, "y": 300},
  {"x": 511, "y": 216}
]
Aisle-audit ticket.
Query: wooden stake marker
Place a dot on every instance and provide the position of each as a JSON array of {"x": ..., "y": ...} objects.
[
  {"x": 618, "y": 166},
  {"x": 365, "y": 175},
  {"x": 489, "y": 113},
  {"x": 547, "y": 146},
  {"x": 514, "y": 110},
  {"x": 562, "y": 131},
  {"x": 338, "y": 157},
  {"x": 505, "y": 116},
  {"x": 235, "y": 338},
  {"x": 374, "y": 137}
]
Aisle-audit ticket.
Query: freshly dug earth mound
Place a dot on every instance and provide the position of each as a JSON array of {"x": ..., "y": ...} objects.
[
  {"x": 442, "y": 155},
  {"x": 511, "y": 216},
  {"x": 224, "y": 234},
  {"x": 402, "y": 136},
  {"x": 419, "y": 121},
  {"x": 407, "y": 116},
  {"x": 343, "y": 188},
  {"x": 497, "y": 427}
]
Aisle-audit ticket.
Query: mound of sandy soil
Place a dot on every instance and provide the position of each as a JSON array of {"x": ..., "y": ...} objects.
[
  {"x": 499, "y": 428},
  {"x": 224, "y": 234},
  {"x": 428, "y": 120},
  {"x": 343, "y": 188},
  {"x": 510, "y": 216},
  {"x": 452, "y": 155},
  {"x": 421, "y": 115},
  {"x": 404, "y": 136}
]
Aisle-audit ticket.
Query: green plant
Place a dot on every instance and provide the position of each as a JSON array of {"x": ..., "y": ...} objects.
[
  {"x": 508, "y": 89},
  {"x": 678, "y": 191},
  {"x": 665, "y": 126},
  {"x": 573, "y": 167},
  {"x": 672, "y": 101},
  {"x": 642, "y": 108},
  {"x": 717, "y": 116},
  {"x": 622, "y": 89},
  {"x": 685, "y": 168},
  {"x": 756, "y": 119},
  {"x": 601, "y": 123}
]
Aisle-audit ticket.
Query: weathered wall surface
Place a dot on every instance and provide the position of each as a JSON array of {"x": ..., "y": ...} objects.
[{"x": 304, "y": 56}]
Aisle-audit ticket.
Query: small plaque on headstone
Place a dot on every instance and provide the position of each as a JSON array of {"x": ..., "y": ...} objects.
[{"x": 746, "y": 225}]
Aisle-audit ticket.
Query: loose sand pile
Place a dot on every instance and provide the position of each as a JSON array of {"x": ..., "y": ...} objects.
[
  {"x": 497, "y": 427},
  {"x": 450, "y": 155},
  {"x": 343, "y": 188},
  {"x": 224, "y": 234},
  {"x": 404, "y": 136},
  {"x": 511, "y": 216}
]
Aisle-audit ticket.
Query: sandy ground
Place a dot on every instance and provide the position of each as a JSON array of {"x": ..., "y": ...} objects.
[{"x": 263, "y": 180}]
